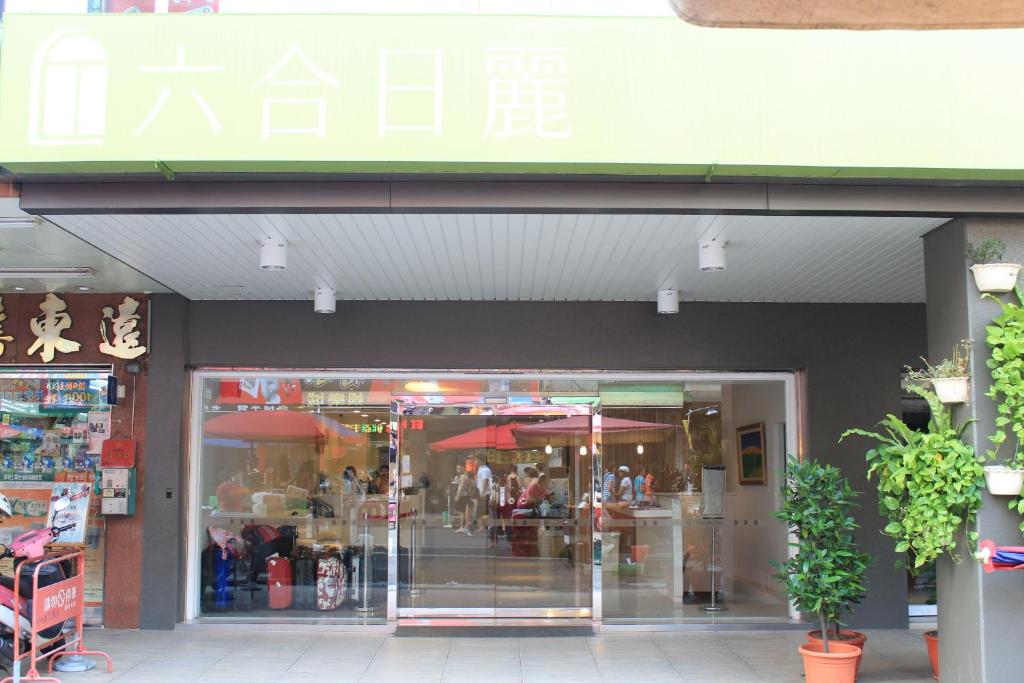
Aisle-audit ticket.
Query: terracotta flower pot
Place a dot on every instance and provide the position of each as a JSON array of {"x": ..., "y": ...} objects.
[
  {"x": 855, "y": 638},
  {"x": 838, "y": 666},
  {"x": 931, "y": 639}
]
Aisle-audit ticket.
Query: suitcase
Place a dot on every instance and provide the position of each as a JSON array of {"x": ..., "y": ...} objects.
[
  {"x": 279, "y": 582},
  {"x": 330, "y": 583},
  {"x": 305, "y": 579},
  {"x": 523, "y": 536},
  {"x": 244, "y": 586}
]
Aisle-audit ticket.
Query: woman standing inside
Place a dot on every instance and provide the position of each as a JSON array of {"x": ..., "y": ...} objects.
[
  {"x": 507, "y": 494},
  {"x": 465, "y": 500}
]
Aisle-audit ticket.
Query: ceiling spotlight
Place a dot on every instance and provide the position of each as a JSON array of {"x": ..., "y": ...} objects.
[
  {"x": 639, "y": 449},
  {"x": 668, "y": 301},
  {"x": 324, "y": 300},
  {"x": 711, "y": 255},
  {"x": 273, "y": 254}
]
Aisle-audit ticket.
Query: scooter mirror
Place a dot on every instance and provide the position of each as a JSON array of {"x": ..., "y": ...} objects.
[{"x": 61, "y": 504}]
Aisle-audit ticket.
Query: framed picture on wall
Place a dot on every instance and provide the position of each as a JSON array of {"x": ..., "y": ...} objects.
[{"x": 750, "y": 454}]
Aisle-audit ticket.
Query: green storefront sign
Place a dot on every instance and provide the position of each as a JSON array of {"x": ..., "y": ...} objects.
[{"x": 134, "y": 93}]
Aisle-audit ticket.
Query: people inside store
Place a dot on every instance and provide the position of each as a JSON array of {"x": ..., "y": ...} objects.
[{"x": 466, "y": 500}]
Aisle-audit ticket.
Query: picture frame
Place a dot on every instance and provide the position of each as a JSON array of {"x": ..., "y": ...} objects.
[{"x": 750, "y": 455}]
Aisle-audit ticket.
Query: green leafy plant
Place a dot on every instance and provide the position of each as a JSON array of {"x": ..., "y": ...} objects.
[
  {"x": 1005, "y": 337},
  {"x": 826, "y": 575},
  {"x": 948, "y": 367},
  {"x": 989, "y": 251},
  {"x": 929, "y": 482}
]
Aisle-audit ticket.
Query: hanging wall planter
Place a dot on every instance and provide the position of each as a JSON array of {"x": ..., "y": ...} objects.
[
  {"x": 995, "y": 278},
  {"x": 1004, "y": 481},
  {"x": 992, "y": 274},
  {"x": 951, "y": 389}
]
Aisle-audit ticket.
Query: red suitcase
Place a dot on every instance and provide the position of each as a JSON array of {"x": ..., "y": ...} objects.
[{"x": 279, "y": 582}]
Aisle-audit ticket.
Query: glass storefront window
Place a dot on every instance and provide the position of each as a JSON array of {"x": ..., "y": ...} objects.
[
  {"x": 657, "y": 494},
  {"x": 293, "y": 492},
  {"x": 52, "y": 427},
  {"x": 688, "y": 491}
]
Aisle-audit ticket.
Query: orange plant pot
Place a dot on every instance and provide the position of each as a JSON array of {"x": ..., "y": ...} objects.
[
  {"x": 931, "y": 639},
  {"x": 846, "y": 636},
  {"x": 838, "y": 666}
]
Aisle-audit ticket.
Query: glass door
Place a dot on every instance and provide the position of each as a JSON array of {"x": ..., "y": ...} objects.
[{"x": 493, "y": 508}]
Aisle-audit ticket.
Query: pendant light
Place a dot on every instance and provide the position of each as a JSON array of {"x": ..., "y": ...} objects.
[
  {"x": 548, "y": 449},
  {"x": 639, "y": 449}
]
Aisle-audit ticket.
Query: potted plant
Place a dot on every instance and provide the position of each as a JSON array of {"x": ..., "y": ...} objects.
[
  {"x": 1005, "y": 337},
  {"x": 931, "y": 641},
  {"x": 826, "y": 575},
  {"x": 950, "y": 377},
  {"x": 991, "y": 272},
  {"x": 929, "y": 486}
]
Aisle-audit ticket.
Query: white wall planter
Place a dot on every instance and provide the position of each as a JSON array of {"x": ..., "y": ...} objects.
[
  {"x": 1003, "y": 481},
  {"x": 951, "y": 389},
  {"x": 995, "y": 277}
]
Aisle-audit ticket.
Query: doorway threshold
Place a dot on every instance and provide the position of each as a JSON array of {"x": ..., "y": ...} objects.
[{"x": 494, "y": 628}]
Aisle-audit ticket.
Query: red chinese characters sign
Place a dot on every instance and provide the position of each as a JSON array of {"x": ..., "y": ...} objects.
[{"x": 58, "y": 602}]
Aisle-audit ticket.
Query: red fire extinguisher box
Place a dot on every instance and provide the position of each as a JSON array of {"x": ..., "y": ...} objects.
[{"x": 118, "y": 453}]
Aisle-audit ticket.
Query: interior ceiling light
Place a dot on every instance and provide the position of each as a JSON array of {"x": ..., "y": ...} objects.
[
  {"x": 83, "y": 288},
  {"x": 23, "y": 222},
  {"x": 45, "y": 273},
  {"x": 325, "y": 300},
  {"x": 668, "y": 301},
  {"x": 639, "y": 449},
  {"x": 711, "y": 255},
  {"x": 583, "y": 450},
  {"x": 274, "y": 254},
  {"x": 423, "y": 387},
  {"x": 548, "y": 449}
]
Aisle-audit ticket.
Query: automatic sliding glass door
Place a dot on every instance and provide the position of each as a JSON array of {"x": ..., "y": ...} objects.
[{"x": 493, "y": 509}]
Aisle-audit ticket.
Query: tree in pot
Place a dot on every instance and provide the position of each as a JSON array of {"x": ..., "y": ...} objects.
[{"x": 826, "y": 575}]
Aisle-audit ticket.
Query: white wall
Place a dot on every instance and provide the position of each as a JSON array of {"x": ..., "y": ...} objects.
[{"x": 751, "y": 536}]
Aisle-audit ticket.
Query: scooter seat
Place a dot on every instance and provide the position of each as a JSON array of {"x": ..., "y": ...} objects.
[{"x": 48, "y": 575}]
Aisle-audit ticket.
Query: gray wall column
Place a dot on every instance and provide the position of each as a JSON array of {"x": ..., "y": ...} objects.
[
  {"x": 979, "y": 614},
  {"x": 163, "y": 530}
]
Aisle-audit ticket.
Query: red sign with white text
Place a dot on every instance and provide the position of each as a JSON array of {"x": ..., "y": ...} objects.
[{"x": 58, "y": 602}]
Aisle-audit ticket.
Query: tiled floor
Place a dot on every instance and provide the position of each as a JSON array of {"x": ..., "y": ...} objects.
[{"x": 229, "y": 654}]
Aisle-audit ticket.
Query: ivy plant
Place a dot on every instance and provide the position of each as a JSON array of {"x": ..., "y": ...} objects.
[
  {"x": 929, "y": 482},
  {"x": 826, "y": 575},
  {"x": 1005, "y": 337}
]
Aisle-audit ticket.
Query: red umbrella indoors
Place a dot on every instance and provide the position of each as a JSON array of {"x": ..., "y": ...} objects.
[
  {"x": 274, "y": 425},
  {"x": 500, "y": 437}
]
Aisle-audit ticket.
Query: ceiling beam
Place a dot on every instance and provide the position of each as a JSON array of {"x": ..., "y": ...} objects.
[{"x": 387, "y": 196}]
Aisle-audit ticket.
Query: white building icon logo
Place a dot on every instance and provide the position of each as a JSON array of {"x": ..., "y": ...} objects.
[{"x": 68, "y": 91}]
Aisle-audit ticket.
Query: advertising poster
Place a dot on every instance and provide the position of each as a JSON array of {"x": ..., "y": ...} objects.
[
  {"x": 121, "y": 6},
  {"x": 193, "y": 6},
  {"x": 77, "y": 513},
  {"x": 68, "y": 394},
  {"x": 99, "y": 431},
  {"x": 260, "y": 392}
]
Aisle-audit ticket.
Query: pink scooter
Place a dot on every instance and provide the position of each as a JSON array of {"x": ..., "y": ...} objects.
[{"x": 28, "y": 549}]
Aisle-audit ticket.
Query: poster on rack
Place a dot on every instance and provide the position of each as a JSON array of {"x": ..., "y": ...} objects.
[
  {"x": 99, "y": 430},
  {"x": 77, "y": 513}
]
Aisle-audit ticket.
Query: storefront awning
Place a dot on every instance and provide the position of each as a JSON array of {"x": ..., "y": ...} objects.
[{"x": 851, "y": 14}]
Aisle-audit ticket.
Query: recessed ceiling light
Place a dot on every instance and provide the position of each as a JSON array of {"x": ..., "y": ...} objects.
[
  {"x": 83, "y": 288},
  {"x": 19, "y": 289},
  {"x": 45, "y": 273},
  {"x": 20, "y": 222}
]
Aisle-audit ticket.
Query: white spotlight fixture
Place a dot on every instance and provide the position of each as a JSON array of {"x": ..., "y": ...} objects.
[
  {"x": 668, "y": 301},
  {"x": 273, "y": 254},
  {"x": 711, "y": 255},
  {"x": 639, "y": 449},
  {"x": 325, "y": 300}
]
